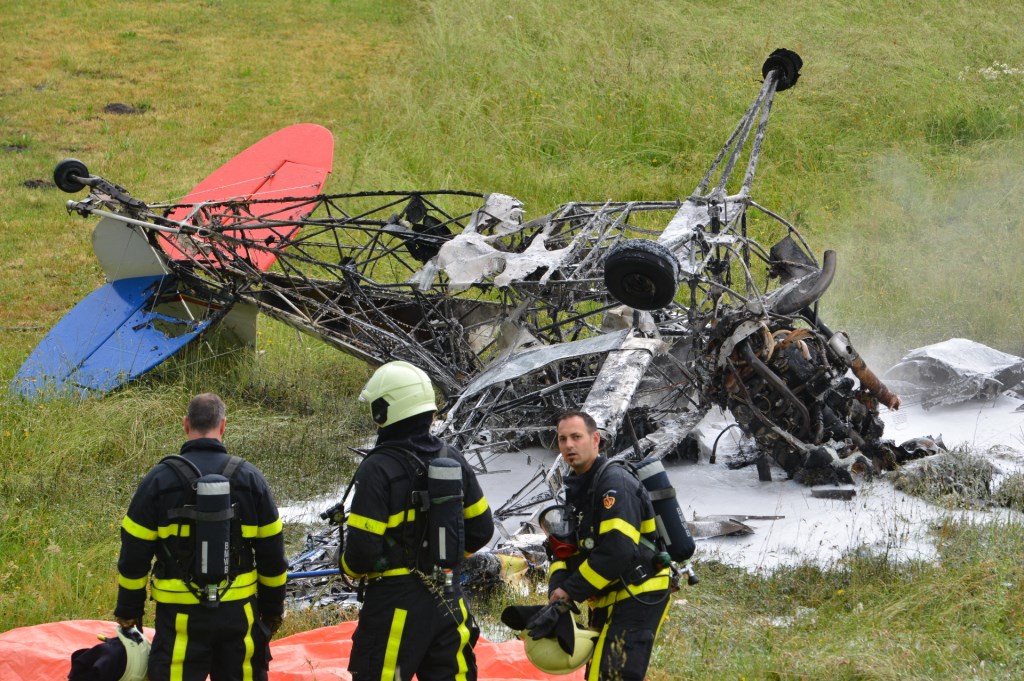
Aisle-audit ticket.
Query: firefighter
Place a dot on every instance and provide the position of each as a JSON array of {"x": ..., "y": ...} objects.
[
  {"x": 220, "y": 629},
  {"x": 612, "y": 560},
  {"x": 417, "y": 510}
]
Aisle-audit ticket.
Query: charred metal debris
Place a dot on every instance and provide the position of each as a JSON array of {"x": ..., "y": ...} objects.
[
  {"x": 644, "y": 313},
  {"x": 647, "y": 314}
]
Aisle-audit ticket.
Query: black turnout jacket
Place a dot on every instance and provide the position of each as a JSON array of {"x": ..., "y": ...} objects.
[
  {"x": 147, "y": 533},
  {"x": 617, "y": 520},
  {"x": 384, "y": 535}
]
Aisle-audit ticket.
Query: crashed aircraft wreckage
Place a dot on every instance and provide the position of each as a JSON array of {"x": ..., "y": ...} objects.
[{"x": 646, "y": 314}]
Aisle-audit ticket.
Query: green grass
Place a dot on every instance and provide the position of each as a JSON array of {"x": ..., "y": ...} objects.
[
  {"x": 900, "y": 148},
  {"x": 865, "y": 618}
]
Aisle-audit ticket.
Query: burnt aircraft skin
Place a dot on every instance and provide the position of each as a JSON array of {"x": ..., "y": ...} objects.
[{"x": 646, "y": 313}]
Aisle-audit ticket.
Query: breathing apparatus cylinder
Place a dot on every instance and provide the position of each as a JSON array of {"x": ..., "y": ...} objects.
[
  {"x": 446, "y": 532},
  {"x": 213, "y": 530},
  {"x": 668, "y": 515}
]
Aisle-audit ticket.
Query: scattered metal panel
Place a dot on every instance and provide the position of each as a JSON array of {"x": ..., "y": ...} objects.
[
  {"x": 956, "y": 370},
  {"x": 531, "y": 360}
]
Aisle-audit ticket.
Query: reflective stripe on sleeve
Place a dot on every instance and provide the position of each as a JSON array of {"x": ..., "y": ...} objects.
[
  {"x": 622, "y": 526},
  {"x": 262, "y": 531},
  {"x": 138, "y": 531},
  {"x": 361, "y": 522},
  {"x": 274, "y": 580},
  {"x": 596, "y": 580},
  {"x": 174, "y": 530},
  {"x": 133, "y": 584},
  {"x": 473, "y": 510}
]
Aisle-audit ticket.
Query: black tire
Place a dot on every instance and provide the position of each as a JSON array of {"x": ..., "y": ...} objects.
[
  {"x": 787, "y": 63},
  {"x": 641, "y": 274},
  {"x": 66, "y": 175}
]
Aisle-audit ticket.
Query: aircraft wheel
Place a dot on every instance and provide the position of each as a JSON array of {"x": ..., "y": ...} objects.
[
  {"x": 642, "y": 274},
  {"x": 66, "y": 175},
  {"x": 788, "y": 63}
]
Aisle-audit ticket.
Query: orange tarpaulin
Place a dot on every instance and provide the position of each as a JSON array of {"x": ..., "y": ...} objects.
[{"x": 43, "y": 653}]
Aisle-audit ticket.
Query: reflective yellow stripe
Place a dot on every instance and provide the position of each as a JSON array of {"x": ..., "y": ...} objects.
[
  {"x": 262, "y": 531},
  {"x": 175, "y": 591},
  {"x": 270, "y": 530},
  {"x": 397, "y": 572},
  {"x": 620, "y": 525},
  {"x": 460, "y": 656},
  {"x": 133, "y": 584},
  {"x": 656, "y": 583},
  {"x": 476, "y": 509},
  {"x": 138, "y": 531},
  {"x": 588, "y": 573},
  {"x": 348, "y": 571},
  {"x": 664, "y": 616},
  {"x": 275, "y": 580},
  {"x": 361, "y": 522},
  {"x": 595, "y": 660},
  {"x": 175, "y": 530},
  {"x": 180, "y": 644},
  {"x": 556, "y": 566},
  {"x": 402, "y": 516},
  {"x": 648, "y": 526},
  {"x": 378, "y": 527},
  {"x": 250, "y": 645},
  {"x": 387, "y": 673}
]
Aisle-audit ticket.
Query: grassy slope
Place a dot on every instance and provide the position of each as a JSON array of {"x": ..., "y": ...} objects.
[{"x": 896, "y": 148}]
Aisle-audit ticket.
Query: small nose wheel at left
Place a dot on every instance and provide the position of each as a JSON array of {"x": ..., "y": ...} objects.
[{"x": 69, "y": 175}]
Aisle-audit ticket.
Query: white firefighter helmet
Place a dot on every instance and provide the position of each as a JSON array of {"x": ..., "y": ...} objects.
[
  {"x": 136, "y": 647},
  {"x": 547, "y": 655},
  {"x": 396, "y": 391}
]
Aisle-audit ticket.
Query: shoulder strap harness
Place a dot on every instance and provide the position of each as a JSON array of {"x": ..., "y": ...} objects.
[{"x": 189, "y": 473}]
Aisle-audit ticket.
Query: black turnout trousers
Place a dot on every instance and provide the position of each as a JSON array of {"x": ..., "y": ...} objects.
[
  {"x": 628, "y": 628},
  {"x": 227, "y": 642},
  {"x": 407, "y": 627}
]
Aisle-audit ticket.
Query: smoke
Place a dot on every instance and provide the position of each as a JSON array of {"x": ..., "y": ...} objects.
[{"x": 934, "y": 253}]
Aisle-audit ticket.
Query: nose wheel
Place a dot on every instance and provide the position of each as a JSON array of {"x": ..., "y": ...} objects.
[{"x": 69, "y": 175}]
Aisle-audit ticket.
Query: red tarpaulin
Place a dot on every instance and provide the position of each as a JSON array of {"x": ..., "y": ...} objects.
[{"x": 43, "y": 653}]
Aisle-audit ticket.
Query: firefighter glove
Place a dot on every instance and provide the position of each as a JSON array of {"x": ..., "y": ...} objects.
[{"x": 272, "y": 622}]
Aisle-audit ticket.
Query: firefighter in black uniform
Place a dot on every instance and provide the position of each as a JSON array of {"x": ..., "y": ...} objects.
[
  {"x": 611, "y": 563},
  {"x": 414, "y": 618},
  {"x": 225, "y": 631}
]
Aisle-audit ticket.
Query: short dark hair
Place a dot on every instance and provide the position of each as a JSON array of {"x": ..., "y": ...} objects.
[
  {"x": 588, "y": 420},
  {"x": 205, "y": 412}
]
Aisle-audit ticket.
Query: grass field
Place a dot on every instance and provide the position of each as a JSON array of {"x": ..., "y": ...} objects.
[{"x": 900, "y": 148}]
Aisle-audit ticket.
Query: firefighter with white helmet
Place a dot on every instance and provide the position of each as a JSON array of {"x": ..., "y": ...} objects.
[{"x": 417, "y": 509}]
